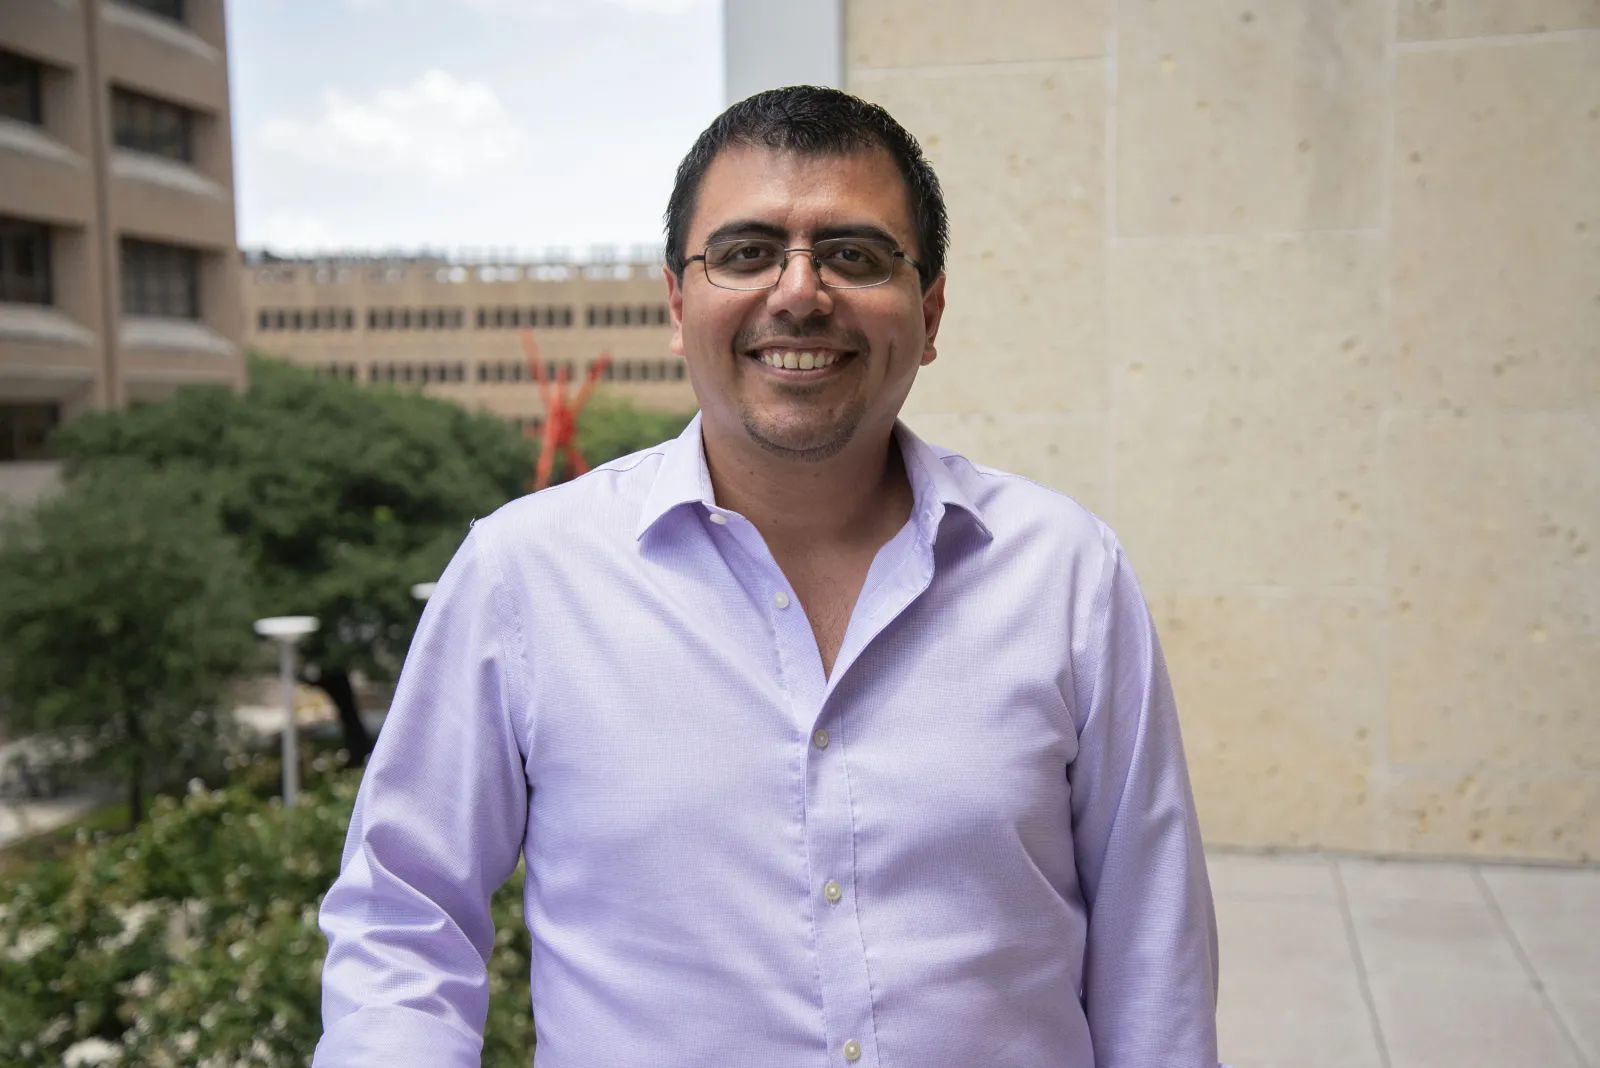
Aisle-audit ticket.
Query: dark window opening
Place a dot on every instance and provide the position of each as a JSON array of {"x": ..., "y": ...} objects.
[
  {"x": 146, "y": 124},
  {"x": 25, "y": 430},
  {"x": 21, "y": 94},
  {"x": 162, "y": 280},
  {"x": 171, "y": 9},
  {"x": 24, "y": 262},
  {"x": 263, "y": 321}
]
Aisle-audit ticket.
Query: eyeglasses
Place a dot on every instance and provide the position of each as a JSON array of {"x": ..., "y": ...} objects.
[{"x": 750, "y": 263}]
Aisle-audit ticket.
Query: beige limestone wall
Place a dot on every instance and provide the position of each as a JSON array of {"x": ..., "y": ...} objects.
[{"x": 1303, "y": 297}]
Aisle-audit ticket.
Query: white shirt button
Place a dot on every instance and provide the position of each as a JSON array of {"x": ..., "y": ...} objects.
[
  {"x": 852, "y": 1051},
  {"x": 820, "y": 739},
  {"x": 718, "y": 518},
  {"x": 780, "y": 599},
  {"x": 833, "y": 892}
]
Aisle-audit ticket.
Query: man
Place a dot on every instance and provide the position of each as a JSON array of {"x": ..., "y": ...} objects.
[{"x": 823, "y": 746}]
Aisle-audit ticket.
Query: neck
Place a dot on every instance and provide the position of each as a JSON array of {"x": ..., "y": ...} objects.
[{"x": 861, "y": 495}]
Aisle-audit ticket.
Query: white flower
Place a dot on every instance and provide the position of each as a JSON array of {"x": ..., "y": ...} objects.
[
  {"x": 29, "y": 943},
  {"x": 90, "y": 1051}
]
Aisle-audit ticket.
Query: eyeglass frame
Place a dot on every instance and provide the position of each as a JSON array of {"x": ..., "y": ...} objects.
[{"x": 895, "y": 253}]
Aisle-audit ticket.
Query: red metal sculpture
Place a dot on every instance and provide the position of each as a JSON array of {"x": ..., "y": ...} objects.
[{"x": 560, "y": 413}]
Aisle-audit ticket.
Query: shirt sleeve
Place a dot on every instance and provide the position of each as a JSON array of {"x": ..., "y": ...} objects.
[
  {"x": 437, "y": 827},
  {"x": 1150, "y": 963}
]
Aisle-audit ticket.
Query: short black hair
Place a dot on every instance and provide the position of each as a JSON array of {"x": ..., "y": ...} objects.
[{"x": 814, "y": 121}]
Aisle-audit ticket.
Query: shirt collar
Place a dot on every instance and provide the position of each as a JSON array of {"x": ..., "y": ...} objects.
[{"x": 684, "y": 479}]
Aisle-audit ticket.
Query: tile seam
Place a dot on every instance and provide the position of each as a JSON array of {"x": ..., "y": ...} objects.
[
  {"x": 1019, "y": 66},
  {"x": 1108, "y": 266},
  {"x": 1353, "y": 943},
  {"x": 1529, "y": 970},
  {"x": 1508, "y": 40}
]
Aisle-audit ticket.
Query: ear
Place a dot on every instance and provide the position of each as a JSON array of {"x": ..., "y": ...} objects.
[
  {"x": 932, "y": 315},
  {"x": 675, "y": 309}
]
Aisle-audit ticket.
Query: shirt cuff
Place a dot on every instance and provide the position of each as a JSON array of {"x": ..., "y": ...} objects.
[{"x": 395, "y": 1037}]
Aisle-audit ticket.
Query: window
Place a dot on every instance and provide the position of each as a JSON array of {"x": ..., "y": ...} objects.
[
  {"x": 146, "y": 124},
  {"x": 20, "y": 95},
  {"x": 349, "y": 319},
  {"x": 25, "y": 430},
  {"x": 594, "y": 316},
  {"x": 280, "y": 321},
  {"x": 162, "y": 280},
  {"x": 678, "y": 370},
  {"x": 171, "y": 9},
  {"x": 264, "y": 321},
  {"x": 24, "y": 262},
  {"x": 566, "y": 316}
]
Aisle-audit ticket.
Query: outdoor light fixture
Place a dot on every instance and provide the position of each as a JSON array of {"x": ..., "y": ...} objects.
[
  {"x": 287, "y": 631},
  {"x": 423, "y": 590}
]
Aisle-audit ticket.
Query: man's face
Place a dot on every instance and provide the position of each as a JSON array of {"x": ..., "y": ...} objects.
[{"x": 871, "y": 340}]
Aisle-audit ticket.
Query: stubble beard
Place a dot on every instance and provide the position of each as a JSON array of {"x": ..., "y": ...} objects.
[{"x": 806, "y": 444}]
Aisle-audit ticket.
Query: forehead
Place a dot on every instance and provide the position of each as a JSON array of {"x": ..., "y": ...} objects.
[{"x": 800, "y": 192}]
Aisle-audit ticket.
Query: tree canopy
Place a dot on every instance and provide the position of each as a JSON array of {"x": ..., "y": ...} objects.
[
  {"x": 342, "y": 497},
  {"x": 124, "y": 615}
]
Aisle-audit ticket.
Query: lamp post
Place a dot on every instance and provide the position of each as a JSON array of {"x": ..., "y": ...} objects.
[{"x": 287, "y": 631}]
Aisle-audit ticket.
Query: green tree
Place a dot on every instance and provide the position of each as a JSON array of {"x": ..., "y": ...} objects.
[
  {"x": 343, "y": 497},
  {"x": 124, "y": 615}
]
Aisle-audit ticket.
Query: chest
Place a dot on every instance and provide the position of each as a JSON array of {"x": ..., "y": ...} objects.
[{"x": 829, "y": 590}]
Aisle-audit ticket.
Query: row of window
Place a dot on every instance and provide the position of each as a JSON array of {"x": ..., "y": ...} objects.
[
  {"x": 138, "y": 122},
  {"x": 158, "y": 280},
  {"x": 502, "y": 317},
  {"x": 507, "y": 371}
]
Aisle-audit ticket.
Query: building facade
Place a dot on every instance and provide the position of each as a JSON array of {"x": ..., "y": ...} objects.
[
  {"x": 452, "y": 327},
  {"x": 1304, "y": 299},
  {"x": 119, "y": 278}
]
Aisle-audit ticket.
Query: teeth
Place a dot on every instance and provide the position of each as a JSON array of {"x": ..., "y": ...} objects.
[{"x": 791, "y": 360}]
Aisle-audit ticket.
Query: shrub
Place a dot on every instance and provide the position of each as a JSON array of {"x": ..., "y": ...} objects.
[{"x": 193, "y": 940}]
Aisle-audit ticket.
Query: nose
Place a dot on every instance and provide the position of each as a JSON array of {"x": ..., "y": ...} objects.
[{"x": 799, "y": 291}]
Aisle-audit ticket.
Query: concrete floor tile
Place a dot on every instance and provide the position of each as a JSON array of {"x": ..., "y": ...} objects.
[
  {"x": 1467, "y": 1021},
  {"x": 1555, "y": 916},
  {"x": 1400, "y": 880},
  {"x": 1249, "y": 875},
  {"x": 1580, "y": 1010},
  {"x": 1544, "y": 889},
  {"x": 1425, "y": 940},
  {"x": 1273, "y": 940},
  {"x": 1304, "y": 1020}
]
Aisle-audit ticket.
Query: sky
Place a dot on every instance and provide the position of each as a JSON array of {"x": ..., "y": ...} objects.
[{"x": 465, "y": 125}]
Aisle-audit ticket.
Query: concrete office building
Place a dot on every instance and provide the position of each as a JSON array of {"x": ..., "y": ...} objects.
[
  {"x": 451, "y": 327},
  {"x": 118, "y": 270},
  {"x": 1302, "y": 297}
]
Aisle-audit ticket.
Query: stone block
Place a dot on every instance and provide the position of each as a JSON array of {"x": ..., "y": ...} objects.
[
  {"x": 1279, "y": 696},
  {"x": 1248, "y": 375},
  {"x": 1431, "y": 20},
  {"x": 1249, "y": 117},
  {"x": 915, "y": 33},
  {"x": 1470, "y": 813},
  {"x": 1496, "y": 187},
  {"x": 1020, "y": 154}
]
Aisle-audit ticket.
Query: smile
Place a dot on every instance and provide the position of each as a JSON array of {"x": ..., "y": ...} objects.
[{"x": 798, "y": 359}]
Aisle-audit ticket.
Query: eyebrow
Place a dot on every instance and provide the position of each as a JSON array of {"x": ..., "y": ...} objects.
[{"x": 756, "y": 228}]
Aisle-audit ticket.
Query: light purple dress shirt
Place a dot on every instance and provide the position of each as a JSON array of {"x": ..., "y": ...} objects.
[{"x": 973, "y": 845}]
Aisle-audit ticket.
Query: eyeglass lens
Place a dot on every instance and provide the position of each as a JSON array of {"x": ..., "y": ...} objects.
[{"x": 841, "y": 262}]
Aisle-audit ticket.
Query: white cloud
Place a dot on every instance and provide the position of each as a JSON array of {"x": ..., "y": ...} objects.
[
  {"x": 437, "y": 126},
  {"x": 293, "y": 231},
  {"x": 524, "y": 8}
]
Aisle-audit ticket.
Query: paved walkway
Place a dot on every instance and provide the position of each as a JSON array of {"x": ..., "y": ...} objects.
[{"x": 1345, "y": 963}]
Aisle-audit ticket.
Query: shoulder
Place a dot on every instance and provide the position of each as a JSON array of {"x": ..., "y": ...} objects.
[
  {"x": 1016, "y": 508},
  {"x": 602, "y": 505}
]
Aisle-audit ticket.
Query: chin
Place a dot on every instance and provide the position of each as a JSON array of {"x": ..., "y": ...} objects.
[{"x": 796, "y": 443}]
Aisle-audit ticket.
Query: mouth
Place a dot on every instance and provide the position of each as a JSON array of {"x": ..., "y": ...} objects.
[{"x": 798, "y": 360}]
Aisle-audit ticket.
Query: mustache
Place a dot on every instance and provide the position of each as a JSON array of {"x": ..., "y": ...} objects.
[{"x": 750, "y": 338}]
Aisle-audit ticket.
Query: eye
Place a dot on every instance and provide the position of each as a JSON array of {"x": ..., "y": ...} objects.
[
  {"x": 855, "y": 259},
  {"x": 742, "y": 255}
]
